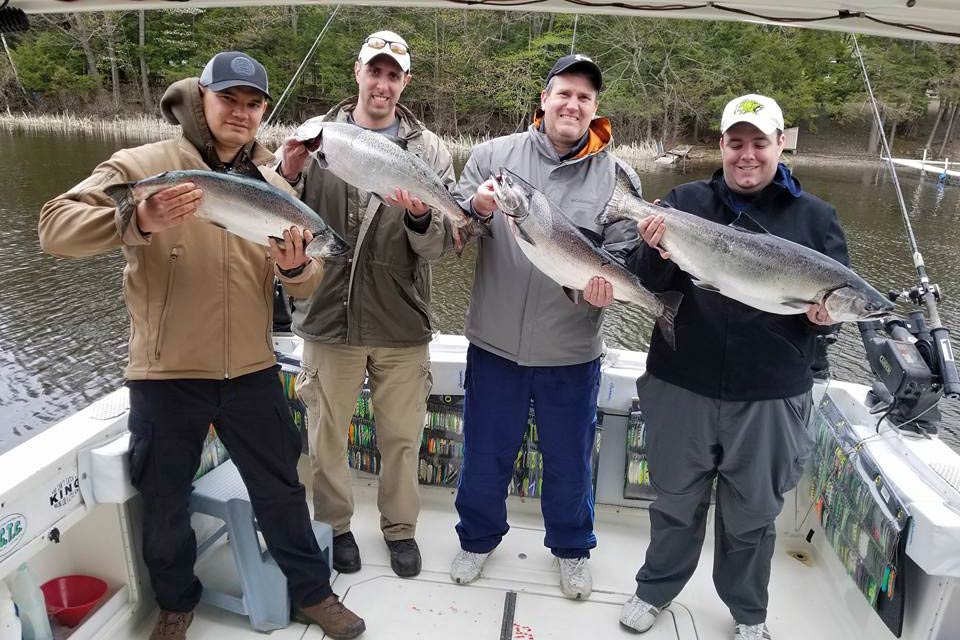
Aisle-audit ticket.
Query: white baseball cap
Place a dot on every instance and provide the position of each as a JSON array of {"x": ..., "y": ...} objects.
[
  {"x": 762, "y": 112},
  {"x": 386, "y": 43}
]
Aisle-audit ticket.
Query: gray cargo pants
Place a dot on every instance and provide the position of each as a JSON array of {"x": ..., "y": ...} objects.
[{"x": 756, "y": 450}]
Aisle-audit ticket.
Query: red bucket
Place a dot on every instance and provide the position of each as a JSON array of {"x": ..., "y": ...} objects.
[{"x": 70, "y": 598}]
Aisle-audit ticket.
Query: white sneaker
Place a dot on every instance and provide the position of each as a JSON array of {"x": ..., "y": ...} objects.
[
  {"x": 576, "y": 582},
  {"x": 467, "y": 566},
  {"x": 751, "y": 632},
  {"x": 639, "y": 615}
]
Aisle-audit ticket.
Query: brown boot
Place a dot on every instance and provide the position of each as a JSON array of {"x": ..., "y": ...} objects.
[
  {"x": 172, "y": 625},
  {"x": 336, "y": 620}
]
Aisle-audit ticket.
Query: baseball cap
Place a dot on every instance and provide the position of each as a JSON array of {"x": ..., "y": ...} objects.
[
  {"x": 762, "y": 112},
  {"x": 386, "y": 43},
  {"x": 577, "y": 62},
  {"x": 234, "y": 69}
]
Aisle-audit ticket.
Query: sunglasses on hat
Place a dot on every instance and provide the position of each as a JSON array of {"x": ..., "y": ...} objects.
[{"x": 379, "y": 43}]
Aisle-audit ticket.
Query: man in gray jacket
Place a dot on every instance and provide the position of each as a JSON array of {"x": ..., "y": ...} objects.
[
  {"x": 528, "y": 341},
  {"x": 371, "y": 313}
]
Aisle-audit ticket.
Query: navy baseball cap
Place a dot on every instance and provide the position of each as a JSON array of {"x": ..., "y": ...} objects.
[
  {"x": 234, "y": 69},
  {"x": 578, "y": 63}
]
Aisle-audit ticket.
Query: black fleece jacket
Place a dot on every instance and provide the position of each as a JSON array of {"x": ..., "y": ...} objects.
[{"x": 726, "y": 349}]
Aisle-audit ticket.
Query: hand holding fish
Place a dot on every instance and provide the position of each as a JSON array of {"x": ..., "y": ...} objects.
[
  {"x": 295, "y": 154},
  {"x": 484, "y": 202},
  {"x": 651, "y": 229},
  {"x": 402, "y": 198},
  {"x": 293, "y": 252},
  {"x": 598, "y": 292},
  {"x": 818, "y": 314},
  {"x": 168, "y": 207}
]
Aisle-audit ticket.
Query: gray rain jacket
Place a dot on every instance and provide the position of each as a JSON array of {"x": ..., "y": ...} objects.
[{"x": 517, "y": 312}]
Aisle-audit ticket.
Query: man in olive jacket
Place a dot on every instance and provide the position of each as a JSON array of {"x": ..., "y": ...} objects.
[
  {"x": 200, "y": 349},
  {"x": 371, "y": 313}
]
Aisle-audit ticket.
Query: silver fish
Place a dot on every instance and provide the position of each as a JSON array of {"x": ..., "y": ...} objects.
[
  {"x": 757, "y": 268},
  {"x": 251, "y": 209},
  {"x": 567, "y": 255},
  {"x": 380, "y": 164}
]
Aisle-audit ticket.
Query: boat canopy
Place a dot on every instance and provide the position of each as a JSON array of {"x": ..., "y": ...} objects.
[{"x": 936, "y": 20}]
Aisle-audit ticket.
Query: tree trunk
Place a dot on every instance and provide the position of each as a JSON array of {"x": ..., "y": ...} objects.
[
  {"x": 936, "y": 124},
  {"x": 16, "y": 76},
  {"x": 144, "y": 70},
  {"x": 893, "y": 135},
  {"x": 83, "y": 37},
  {"x": 294, "y": 15},
  {"x": 946, "y": 137},
  {"x": 110, "y": 32}
]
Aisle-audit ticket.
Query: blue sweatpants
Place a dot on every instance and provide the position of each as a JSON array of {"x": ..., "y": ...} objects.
[{"x": 495, "y": 409}]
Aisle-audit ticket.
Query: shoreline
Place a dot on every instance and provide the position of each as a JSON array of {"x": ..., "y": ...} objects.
[{"x": 146, "y": 129}]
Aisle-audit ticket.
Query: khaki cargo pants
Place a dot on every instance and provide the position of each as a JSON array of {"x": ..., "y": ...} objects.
[{"x": 328, "y": 385}]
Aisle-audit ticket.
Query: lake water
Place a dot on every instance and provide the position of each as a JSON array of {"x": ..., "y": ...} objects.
[{"x": 63, "y": 327}]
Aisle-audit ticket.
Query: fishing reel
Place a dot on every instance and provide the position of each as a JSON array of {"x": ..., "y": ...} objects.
[{"x": 914, "y": 369}]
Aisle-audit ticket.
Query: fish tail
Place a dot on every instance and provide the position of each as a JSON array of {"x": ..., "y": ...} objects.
[
  {"x": 122, "y": 195},
  {"x": 622, "y": 187},
  {"x": 671, "y": 303}
]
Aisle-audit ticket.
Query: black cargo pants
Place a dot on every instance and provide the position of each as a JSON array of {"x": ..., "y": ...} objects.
[{"x": 169, "y": 420}]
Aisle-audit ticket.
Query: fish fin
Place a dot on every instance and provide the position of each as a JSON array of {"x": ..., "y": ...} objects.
[
  {"x": 320, "y": 159},
  {"x": 744, "y": 222},
  {"x": 671, "y": 302},
  {"x": 333, "y": 245},
  {"x": 400, "y": 142},
  {"x": 122, "y": 195},
  {"x": 797, "y": 303},
  {"x": 621, "y": 188},
  {"x": 706, "y": 286},
  {"x": 574, "y": 295},
  {"x": 526, "y": 236},
  {"x": 592, "y": 236}
]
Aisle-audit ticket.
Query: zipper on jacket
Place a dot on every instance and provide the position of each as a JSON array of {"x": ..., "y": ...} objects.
[
  {"x": 226, "y": 304},
  {"x": 268, "y": 289},
  {"x": 174, "y": 253}
]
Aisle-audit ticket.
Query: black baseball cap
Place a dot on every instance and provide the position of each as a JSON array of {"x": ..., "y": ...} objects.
[
  {"x": 578, "y": 63},
  {"x": 234, "y": 69}
]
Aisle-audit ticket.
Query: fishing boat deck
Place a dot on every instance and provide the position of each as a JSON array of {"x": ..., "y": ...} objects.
[{"x": 806, "y": 599}]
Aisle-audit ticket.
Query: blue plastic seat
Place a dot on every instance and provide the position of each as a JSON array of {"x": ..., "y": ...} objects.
[{"x": 222, "y": 494}]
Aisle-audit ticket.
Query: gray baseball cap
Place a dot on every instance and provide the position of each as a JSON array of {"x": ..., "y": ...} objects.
[{"x": 234, "y": 69}]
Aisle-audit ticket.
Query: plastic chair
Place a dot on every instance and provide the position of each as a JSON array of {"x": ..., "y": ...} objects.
[{"x": 222, "y": 494}]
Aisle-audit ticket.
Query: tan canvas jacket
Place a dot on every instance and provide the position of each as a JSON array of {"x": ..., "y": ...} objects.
[{"x": 200, "y": 299}]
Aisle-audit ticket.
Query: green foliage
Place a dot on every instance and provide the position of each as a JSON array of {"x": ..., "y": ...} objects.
[{"x": 481, "y": 72}]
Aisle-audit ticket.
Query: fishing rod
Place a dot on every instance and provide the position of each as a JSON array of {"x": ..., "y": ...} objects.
[{"x": 915, "y": 365}]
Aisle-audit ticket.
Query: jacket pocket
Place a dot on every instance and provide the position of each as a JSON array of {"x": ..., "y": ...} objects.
[{"x": 167, "y": 299}]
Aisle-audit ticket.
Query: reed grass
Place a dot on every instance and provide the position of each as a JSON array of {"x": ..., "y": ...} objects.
[{"x": 150, "y": 129}]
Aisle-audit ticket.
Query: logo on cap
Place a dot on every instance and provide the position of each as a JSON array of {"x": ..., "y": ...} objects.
[
  {"x": 242, "y": 66},
  {"x": 581, "y": 58},
  {"x": 748, "y": 106}
]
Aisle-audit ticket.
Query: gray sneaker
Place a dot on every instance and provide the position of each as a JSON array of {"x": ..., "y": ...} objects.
[
  {"x": 467, "y": 566},
  {"x": 576, "y": 582},
  {"x": 751, "y": 632},
  {"x": 638, "y": 615}
]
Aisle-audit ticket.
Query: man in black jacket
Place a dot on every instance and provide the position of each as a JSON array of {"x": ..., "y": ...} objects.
[{"x": 731, "y": 402}]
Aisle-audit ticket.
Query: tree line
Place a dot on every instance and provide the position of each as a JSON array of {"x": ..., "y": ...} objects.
[{"x": 479, "y": 73}]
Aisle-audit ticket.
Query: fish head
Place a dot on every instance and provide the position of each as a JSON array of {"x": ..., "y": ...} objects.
[
  {"x": 149, "y": 186},
  {"x": 512, "y": 199},
  {"x": 857, "y": 301},
  {"x": 310, "y": 133}
]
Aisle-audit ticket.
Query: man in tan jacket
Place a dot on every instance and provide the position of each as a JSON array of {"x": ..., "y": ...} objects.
[
  {"x": 371, "y": 313},
  {"x": 200, "y": 350}
]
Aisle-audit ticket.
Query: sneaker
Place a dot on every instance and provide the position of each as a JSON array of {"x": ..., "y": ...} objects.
[
  {"x": 172, "y": 625},
  {"x": 346, "y": 553},
  {"x": 467, "y": 566},
  {"x": 404, "y": 557},
  {"x": 576, "y": 582},
  {"x": 751, "y": 632},
  {"x": 639, "y": 615},
  {"x": 336, "y": 620}
]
